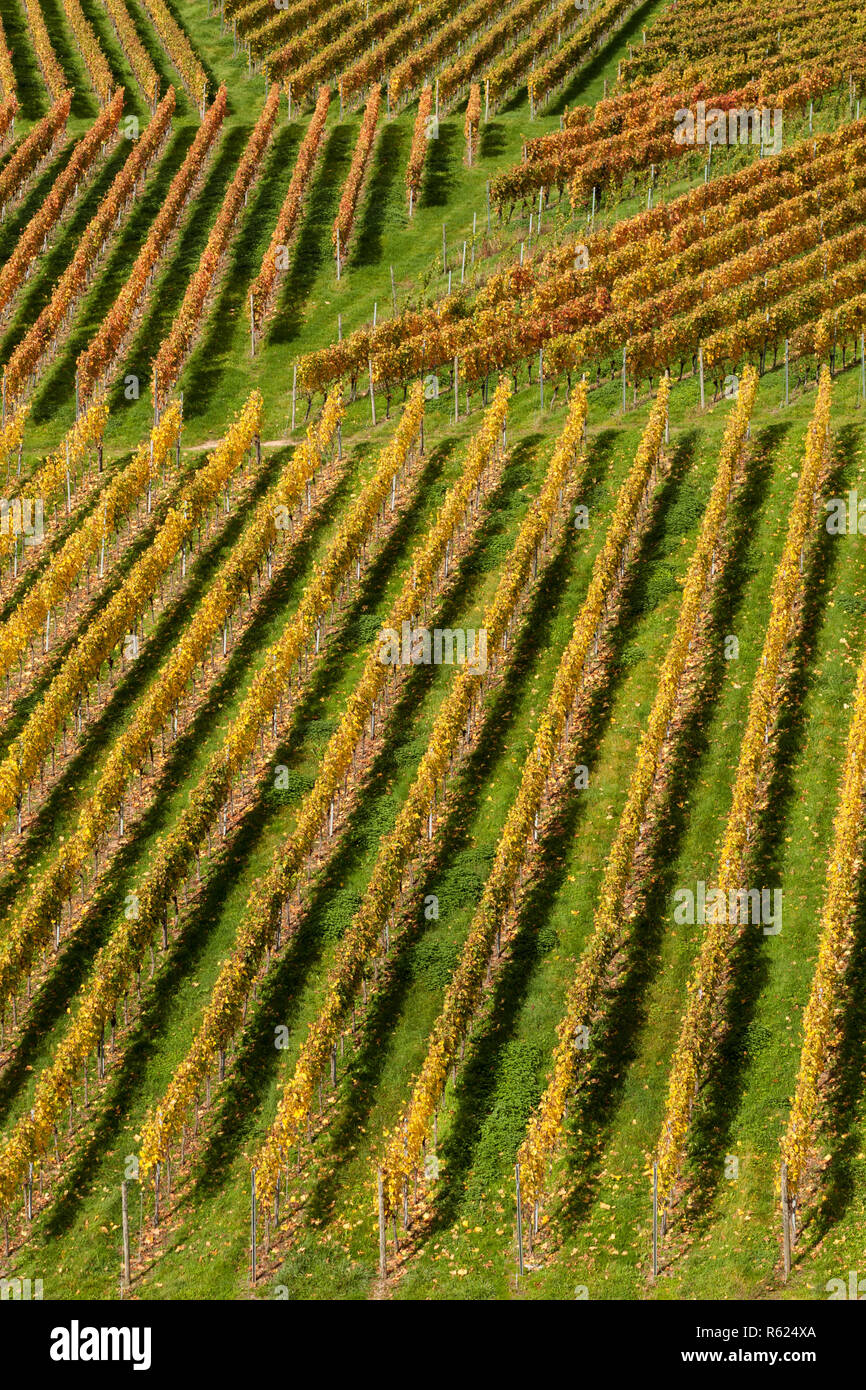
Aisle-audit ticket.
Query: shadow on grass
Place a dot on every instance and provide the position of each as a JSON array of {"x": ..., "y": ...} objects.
[
  {"x": 313, "y": 244},
  {"x": 29, "y": 88},
  {"x": 168, "y": 75},
  {"x": 388, "y": 161},
  {"x": 167, "y": 294},
  {"x": 176, "y": 12},
  {"x": 84, "y": 100},
  {"x": 206, "y": 367},
  {"x": 157, "y": 1005},
  {"x": 18, "y": 218},
  {"x": 494, "y": 139},
  {"x": 23, "y": 704},
  {"x": 48, "y": 820},
  {"x": 389, "y": 1003},
  {"x": 441, "y": 167},
  {"x": 28, "y": 700},
  {"x": 584, "y": 77},
  {"x": 487, "y": 1129},
  {"x": 21, "y": 586},
  {"x": 98, "y": 18}
]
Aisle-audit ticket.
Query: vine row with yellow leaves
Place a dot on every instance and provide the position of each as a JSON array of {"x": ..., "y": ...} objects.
[
  {"x": 29, "y": 156},
  {"x": 52, "y": 73},
  {"x": 689, "y": 1060},
  {"x": 39, "y": 917},
  {"x": 137, "y": 55},
  {"x": 276, "y": 257},
  {"x": 398, "y": 848},
  {"x": 178, "y": 342},
  {"x": 609, "y": 923},
  {"x": 261, "y": 926},
  {"x": 95, "y": 364},
  {"x": 11, "y": 443},
  {"x": 96, "y": 645},
  {"x": 89, "y": 47},
  {"x": 8, "y": 112},
  {"x": 64, "y": 569},
  {"x": 32, "y": 353},
  {"x": 59, "y": 471},
  {"x": 464, "y": 990},
  {"x": 179, "y": 50},
  {"x": 820, "y": 1025},
  {"x": 122, "y": 956},
  {"x": 34, "y": 237},
  {"x": 7, "y": 72}
]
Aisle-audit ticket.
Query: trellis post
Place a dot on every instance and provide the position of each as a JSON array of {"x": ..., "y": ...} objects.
[
  {"x": 124, "y": 1208},
  {"x": 786, "y": 1222},
  {"x": 655, "y": 1220},
  {"x": 519, "y": 1221},
  {"x": 253, "y": 1225},
  {"x": 383, "y": 1252},
  {"x": 786, "y": 371}
]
